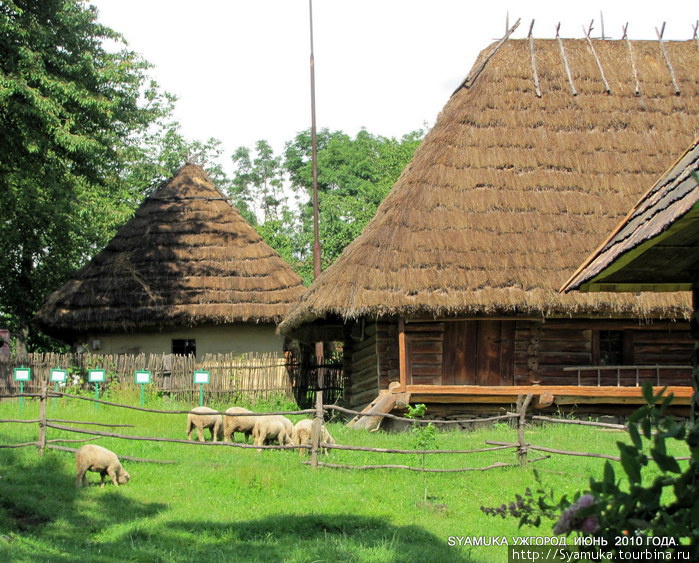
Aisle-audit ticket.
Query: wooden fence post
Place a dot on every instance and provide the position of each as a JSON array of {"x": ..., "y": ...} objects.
[
  {"x": 41, "y": 444},
  {"x": 522, "y": 404},
  {"x": 317, "y": 420}
]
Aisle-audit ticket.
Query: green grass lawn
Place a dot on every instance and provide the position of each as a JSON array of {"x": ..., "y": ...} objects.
[{"x": 220, "y": 503}]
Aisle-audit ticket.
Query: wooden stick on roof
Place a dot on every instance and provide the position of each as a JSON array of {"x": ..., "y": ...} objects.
[
  {"x": 471, "y": 78},
  {"x": 625, "y": 37},
  {"x": 533, "y": 55},
  {"x": 565, "y": 61},
  {"x": 594, "y": 52},
  {"x": 667, "y": 58}
]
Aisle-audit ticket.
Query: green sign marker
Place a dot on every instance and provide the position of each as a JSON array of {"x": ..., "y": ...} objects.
[
  {"x": 200, "y": 378},
  {"x": 142, "y": 378},
  {"x": 22, "y": 374}
]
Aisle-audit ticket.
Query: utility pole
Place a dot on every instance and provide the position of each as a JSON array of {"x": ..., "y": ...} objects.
[{"x": 318, "y": 418}]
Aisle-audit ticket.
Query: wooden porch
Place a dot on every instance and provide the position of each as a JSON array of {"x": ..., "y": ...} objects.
[{"x": 545, "y": 395}]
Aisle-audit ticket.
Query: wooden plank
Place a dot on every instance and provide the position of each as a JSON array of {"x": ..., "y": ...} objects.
[
  {"x": 383, "y": 404},
  {"x": 459, "y": 357},
  {"x": 579, "y": 391},
  {"x": 402, "y": 354},
  {"x": 425, "y": 347},
  {"x": 488, "y": 355}
]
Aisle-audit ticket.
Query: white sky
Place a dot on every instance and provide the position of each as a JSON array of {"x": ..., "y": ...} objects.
[{"x": 241, "y": 68}]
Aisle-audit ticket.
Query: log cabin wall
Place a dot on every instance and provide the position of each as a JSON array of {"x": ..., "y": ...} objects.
[
  {"x": 544, "y": 349},
  {"x": 372, "y": 350},
  {"x": 525, "y": 352}
]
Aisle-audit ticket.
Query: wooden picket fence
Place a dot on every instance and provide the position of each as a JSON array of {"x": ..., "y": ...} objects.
[{"x": 250, "y": 376}]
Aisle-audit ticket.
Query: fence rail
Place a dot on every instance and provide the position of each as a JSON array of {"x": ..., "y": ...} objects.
[{"x": 520, "y": 446}]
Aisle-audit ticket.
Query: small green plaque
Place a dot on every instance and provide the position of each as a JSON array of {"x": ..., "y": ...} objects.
[
  {"x": 23, "y": 374},
  {"x": 96, "y": 375},
  {"x": 59, "y": 375},
  {"x": 143, "y": 377},
  {"x": 201, "y": 377}
]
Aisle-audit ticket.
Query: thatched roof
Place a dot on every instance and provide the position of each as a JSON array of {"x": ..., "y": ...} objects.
[
  {"x": 655, "y": 247},
  {"x": 510, "y": 190},
  {"x": 186, "y": 258}
]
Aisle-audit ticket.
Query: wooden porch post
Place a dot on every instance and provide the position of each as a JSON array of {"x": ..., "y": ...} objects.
[
  {"x": 402, "y": 355},
  {"x": 41, "y": 443},
  {"x": 694, "y": 328}
]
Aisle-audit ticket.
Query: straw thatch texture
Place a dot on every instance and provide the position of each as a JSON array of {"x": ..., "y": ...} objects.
[
  {"x": 509, "y": 192},
  {"x": 654, "y": 248},
  {"x": 186, "y": 258}
]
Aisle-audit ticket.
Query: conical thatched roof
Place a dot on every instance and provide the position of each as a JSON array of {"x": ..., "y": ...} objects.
[
  {"x": 186, "y": 258},
  {"x": 511, "y": 190}
]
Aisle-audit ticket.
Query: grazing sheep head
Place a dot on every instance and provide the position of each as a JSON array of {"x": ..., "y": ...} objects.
[{"x": 123, "y": 478}]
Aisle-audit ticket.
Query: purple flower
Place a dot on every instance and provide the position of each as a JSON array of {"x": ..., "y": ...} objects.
[
  {"x": 568, "y": 521},
  {"x": 589, "y": 525}
]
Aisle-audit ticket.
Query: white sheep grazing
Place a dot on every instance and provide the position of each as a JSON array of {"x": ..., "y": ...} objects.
[
  {"x": 272, "y": 427},
  {"x": 91, "y": 457},
  {"x": 302, "y": 435},
  {"x": 200, "y": 418},
  {"x": 233, "y": 424}
]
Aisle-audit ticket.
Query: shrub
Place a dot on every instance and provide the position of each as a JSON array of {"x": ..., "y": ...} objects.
[{"x": 656, "y": 509}]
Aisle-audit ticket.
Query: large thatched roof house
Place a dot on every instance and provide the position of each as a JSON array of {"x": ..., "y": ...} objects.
[
  {"x": 186, "y": 274},
  {"x": 451, "y": 291}
]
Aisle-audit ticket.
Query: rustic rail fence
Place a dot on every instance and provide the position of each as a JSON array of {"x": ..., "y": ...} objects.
[{"x": 521, "y": 446}]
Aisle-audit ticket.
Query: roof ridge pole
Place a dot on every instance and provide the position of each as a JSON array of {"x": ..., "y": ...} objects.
[
  {"x": 594, "y": 53},
  {"x": 472, "y": 77},
  {"x": 637, "y": 90},
  {"x": 667, "y": 58},
  {"x": 565, "y": 61},
  {"x": 533, "y": 55}
]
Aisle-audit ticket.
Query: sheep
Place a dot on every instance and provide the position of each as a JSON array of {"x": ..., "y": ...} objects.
[
  {"x": 91, "y": 457},
  {"x": 301, "y": 434},
  {"x": 233, "y": 424},
  {"x": 200, "y": 418},
  {"x": 272, "y": 427}
]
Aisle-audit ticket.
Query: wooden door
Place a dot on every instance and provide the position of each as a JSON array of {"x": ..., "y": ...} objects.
[{"x": 478, "y": 353}]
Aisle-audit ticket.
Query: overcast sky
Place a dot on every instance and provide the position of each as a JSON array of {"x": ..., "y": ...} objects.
[{"x": 240, "y": 69}]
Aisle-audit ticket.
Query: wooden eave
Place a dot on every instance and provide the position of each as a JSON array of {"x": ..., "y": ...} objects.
[{"x": 666, "y": 262}]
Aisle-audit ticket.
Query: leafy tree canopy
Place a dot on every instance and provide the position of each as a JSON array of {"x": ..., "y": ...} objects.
[
  {"x": 354, "y": 175},
  {"x": 72, "y": 114}
]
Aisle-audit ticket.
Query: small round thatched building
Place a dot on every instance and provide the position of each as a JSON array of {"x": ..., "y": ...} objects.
[{"x": 186, "y": 274}]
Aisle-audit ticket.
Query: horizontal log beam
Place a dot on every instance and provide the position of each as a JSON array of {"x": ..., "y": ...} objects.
[{"x": 563, "y": 394}]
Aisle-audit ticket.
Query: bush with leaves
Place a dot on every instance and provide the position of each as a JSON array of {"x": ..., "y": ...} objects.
[
  {"x": 654, "y": 510},
  {"x": 425, "y": 439}
]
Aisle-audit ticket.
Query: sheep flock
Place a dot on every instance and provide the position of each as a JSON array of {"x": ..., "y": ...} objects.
[{"x": 263, "y": 428}]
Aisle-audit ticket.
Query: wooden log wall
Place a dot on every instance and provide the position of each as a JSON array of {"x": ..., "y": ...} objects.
[
  {"x": 372, "y": 352},
  {"x": 364, "y": 386},
  {"x": 542, "y": 350}
]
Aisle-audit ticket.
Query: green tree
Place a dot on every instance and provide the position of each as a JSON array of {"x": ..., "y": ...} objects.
[
  {"x": 354, "y": 175},
  {"x": 67, "y": 109},
  {"x": 258, "y": 183}
]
